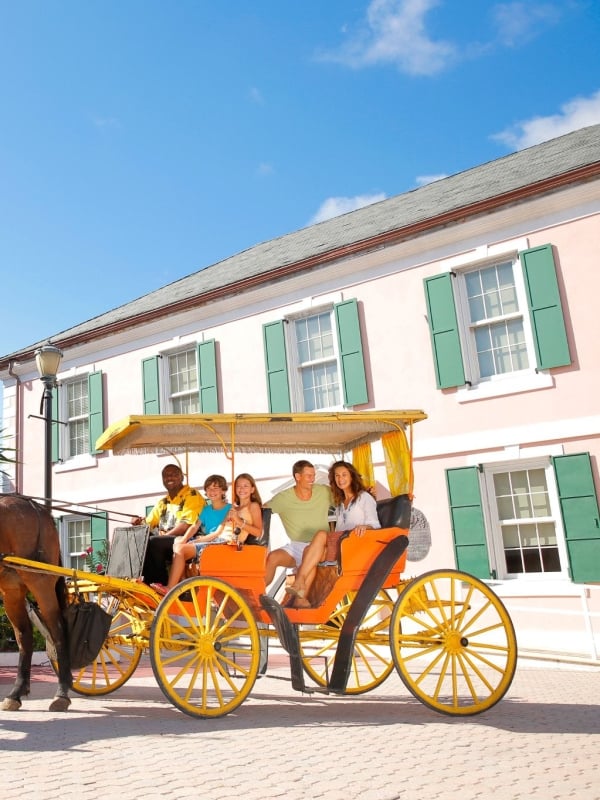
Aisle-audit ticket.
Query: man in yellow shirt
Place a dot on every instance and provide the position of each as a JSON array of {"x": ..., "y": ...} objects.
[{"x": 170, "y": 517}]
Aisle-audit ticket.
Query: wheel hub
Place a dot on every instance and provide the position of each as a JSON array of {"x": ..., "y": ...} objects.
[
  {"x": 206, "y": 647},
  {"x": 454, "y": 642}
]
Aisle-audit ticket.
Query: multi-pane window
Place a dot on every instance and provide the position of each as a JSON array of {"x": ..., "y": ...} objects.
[
  {"x": 317, "y": 361},
  {"x": 183, "y": 382},
  {"x": 77, "y": 402},
  {"x": 496, "y": 320},
  {"x": 314, "y": 360},
  {"x": 79, "y": 538},
  {"x": 531, "y": 520},
  {"x": 527, "y": 525}
]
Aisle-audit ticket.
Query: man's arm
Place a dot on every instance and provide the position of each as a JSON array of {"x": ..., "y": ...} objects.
[
  {"x": 152, "y": 519},
  {"x": 179, "y": 529}
]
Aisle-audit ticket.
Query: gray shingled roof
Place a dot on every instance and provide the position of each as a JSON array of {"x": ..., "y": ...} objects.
[{"x": 510, "y": 173}]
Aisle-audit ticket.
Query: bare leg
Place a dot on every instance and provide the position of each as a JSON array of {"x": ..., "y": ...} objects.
[
  {"x": 314, "y": 553},
  {"x": 181, "y": 553},
  {"x": 277, "y": 558}
]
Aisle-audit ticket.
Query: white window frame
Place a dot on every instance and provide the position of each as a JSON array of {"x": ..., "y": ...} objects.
[
  {"x": 467, "y": 327},
  {"x": 295, "y": 365},
  {"x": 492, "y": 521},
  {"x": 165, "y": 377},
  {"x": 63, "y": 416},
  {"x": 68, "y": 555}
]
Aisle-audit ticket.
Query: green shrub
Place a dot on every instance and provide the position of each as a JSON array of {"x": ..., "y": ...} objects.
[{"x": 8, "y": 642}]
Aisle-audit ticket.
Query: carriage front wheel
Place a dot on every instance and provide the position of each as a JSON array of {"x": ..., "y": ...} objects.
[
  {"x": 453, "y": 642},
  {"x": 204, "y": 647}
]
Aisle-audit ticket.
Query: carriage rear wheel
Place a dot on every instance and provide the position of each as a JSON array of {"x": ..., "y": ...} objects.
[
  {"x": 121, "y": 652},
  {"x": 371, "y": 660},
  {"x": 204, "y": 647},
  {"x": 115, "y": 664},
  {"x": 453, "y": 642}
]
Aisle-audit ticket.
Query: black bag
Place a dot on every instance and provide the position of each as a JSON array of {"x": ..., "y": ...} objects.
[{"x": 87, "y": 628}]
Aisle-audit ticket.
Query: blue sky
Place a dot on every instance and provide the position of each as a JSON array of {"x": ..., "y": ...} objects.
[{"x": 142, "y": 140}]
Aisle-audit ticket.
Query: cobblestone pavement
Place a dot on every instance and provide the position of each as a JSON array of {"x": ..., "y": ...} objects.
[{"x": 541, "y": 741}]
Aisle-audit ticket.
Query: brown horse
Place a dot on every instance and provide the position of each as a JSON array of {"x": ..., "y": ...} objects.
[{"x": 28, "y": 530}]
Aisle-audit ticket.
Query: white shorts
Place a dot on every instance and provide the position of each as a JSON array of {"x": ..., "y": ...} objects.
[{"x": 295, "y": 550}]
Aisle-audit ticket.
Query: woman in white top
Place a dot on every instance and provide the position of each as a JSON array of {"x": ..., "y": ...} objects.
[{"x": 355, "y": 511}]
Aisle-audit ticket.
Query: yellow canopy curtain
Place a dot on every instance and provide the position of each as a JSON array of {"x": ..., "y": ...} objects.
[
  {"x": 363, "y": 461},
  {"x": 398, "y": 462}
]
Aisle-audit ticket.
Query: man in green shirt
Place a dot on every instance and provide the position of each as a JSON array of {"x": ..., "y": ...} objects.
[{"x": 303, "y": 511}]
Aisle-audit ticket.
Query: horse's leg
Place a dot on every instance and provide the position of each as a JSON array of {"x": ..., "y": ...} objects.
[
  {"x": 28, "y": 530},
  {"x": 14, "y": 605},
  {"x": 44, "y": 589}
]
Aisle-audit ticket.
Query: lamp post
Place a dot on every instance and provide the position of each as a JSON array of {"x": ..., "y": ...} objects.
[{"x": 47, "y": 359}]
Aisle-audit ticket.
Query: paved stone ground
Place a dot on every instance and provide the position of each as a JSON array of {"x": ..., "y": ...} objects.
[{"x": 541, "y": 741}]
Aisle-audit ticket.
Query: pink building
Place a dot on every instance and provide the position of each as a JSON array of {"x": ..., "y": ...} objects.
[{"x": 468, "y": 298}]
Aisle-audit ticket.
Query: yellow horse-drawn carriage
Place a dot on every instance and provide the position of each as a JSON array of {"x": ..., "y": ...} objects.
[{"x": 446, "y": 633}]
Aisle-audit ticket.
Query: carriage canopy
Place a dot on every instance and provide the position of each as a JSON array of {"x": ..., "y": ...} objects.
[
  {"x": 314, "y": 432},
  {"x": 327, "y": 433}
]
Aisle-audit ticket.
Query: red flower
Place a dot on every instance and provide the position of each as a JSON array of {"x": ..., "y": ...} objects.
[
  {"x": 89, "y": 550},
  {"x": 99, "y": 568}
]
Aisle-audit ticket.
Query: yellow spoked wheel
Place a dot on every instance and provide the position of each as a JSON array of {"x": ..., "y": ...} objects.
[
  {"x": 116, "y": 661},
  {"x": 371, "y": 660},
  {"x": 453, "y": 642},
  {"x": 204, "y": 647},
  {"x": 120, "y": 654}
]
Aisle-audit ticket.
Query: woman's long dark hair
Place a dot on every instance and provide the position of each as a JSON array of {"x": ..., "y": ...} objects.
[{"x": 356, "y": 486}]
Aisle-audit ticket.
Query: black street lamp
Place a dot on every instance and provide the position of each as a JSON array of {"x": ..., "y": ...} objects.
[{"x": 47, "y": 359}]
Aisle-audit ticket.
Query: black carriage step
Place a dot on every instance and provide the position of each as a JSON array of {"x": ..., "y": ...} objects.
[
  {"x": 288, "y": 636},
  {"x": 372, "y": 583}
]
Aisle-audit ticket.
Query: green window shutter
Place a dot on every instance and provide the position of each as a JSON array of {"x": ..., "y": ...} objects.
[
  {"x": 545, "y": 309},
  {"x": 99, "y": 529},
  {"x": 354, "y": 379},
  {"x": 55, "y": 434},
  {"x": 151, "y": 385},
  {"x": 579, "y": 511},
  {"x": 148, "y": 509},
  {"x": 443, "y": 328},
  {"x": 207, "y": 377},
  {"x": 96, "y": 408},
  {"x": 468, "y": 527},
  {"x": 278, "y": 386}
]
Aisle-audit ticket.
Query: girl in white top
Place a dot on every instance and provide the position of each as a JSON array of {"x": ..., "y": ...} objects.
[{"x": 355, "y": 511}]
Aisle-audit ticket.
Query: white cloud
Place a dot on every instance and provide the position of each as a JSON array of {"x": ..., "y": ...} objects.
[
  {"x": 575, "y": 114},
  {"x": 517, "y": 22},
  {"x": 394, "y": 32},
  {"x": 423, "y": 180},
  {"x": 334, "y": 206}
]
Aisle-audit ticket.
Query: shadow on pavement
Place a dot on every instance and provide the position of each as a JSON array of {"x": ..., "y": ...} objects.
[{"x": 136, "y": 710}]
